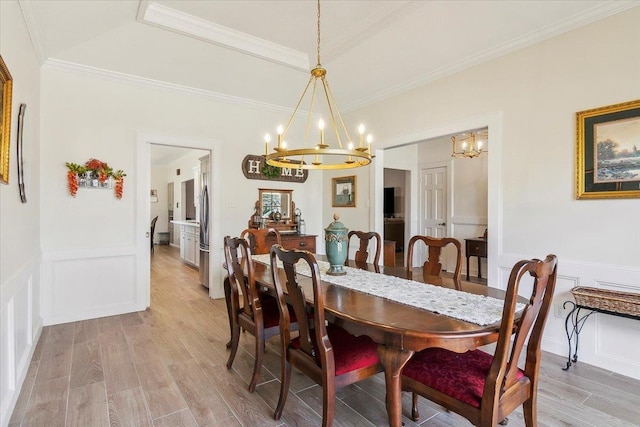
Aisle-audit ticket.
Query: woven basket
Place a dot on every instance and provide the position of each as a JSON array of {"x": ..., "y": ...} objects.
[{"x": 603, "y": 299}]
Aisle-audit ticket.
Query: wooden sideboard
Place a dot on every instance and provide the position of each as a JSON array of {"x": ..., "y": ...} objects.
[{"x": 294, "y": 241}]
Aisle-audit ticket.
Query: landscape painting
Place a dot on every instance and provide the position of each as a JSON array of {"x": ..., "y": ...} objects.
[
  {"x": 608, "y": 152},
  {"x": 618, "y": 151}
]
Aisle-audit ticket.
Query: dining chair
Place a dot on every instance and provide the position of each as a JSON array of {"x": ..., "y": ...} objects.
[
  {"x": 486, "y": 388},
  {"x": 432, "y": 267},
  {"x": 153, "y": 230},
  {"x": 257, "y": 238},
  {"x": 326, "y": 353},
  {"x": 362, "y": 254},
  {"x": 259, "y": 314}
]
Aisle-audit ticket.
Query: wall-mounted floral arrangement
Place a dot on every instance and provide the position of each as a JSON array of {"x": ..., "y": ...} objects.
[{"x": 94, "y": 174}]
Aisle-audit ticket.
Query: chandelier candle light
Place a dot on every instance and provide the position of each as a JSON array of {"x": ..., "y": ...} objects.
[
  {"x": 470, "y": 146},
  {"x": 344, "y": 156}
]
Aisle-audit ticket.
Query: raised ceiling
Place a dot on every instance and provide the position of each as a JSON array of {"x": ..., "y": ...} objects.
[{"x": 260, "y": 51}]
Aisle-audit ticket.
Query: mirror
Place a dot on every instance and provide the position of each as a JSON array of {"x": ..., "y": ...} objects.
[{"x": 272, "y": 201}]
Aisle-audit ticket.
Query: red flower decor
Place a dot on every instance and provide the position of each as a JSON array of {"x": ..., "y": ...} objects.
[
  {"x": 98, "y": 169},
  {"x": 72, "y": 180},
  {"x": 119, "y": 177}
]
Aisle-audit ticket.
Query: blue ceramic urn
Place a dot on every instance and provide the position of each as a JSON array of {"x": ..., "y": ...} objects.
[{"x": 335, "y": 238}]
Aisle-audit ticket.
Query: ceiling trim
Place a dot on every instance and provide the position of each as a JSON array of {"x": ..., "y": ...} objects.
[
  {"x": 33, "y": 29},
  {"x": 592, "y": 15},
  {"x": 343, "y": 43},
  {"x": 155, "y": 14},
  {"x": 56, "y": 64}
]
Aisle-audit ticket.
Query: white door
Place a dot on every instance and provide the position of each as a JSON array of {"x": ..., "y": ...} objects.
[
  {"x": 433, "y": 208},
  {"x": 433, "y": 192}
]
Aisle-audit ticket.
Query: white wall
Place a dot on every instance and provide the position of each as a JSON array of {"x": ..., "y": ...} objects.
[
  {"x": 355, "y": 218},
  {"x": 534, "y": 94},
  {"x": 20, "y": 321},
  {"x": 92, "y": 116}
]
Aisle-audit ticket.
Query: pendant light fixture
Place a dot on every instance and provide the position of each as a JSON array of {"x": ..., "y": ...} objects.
[
  {"x": 345, "y": 154},
  {"x": 469, "y": 144}
]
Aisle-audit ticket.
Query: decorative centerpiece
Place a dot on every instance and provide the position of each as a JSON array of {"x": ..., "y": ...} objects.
[{"x": 335, "y": 238}]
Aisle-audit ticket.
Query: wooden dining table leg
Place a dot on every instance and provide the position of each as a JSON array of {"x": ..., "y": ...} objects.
[{"x": 393, "y": 360}]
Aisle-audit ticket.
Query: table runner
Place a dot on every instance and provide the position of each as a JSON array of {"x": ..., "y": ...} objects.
[{"x": 478, "y": 309}]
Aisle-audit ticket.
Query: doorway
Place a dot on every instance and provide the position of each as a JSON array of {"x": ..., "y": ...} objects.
[
  {"x": 144, "y": 145},
  {"x": 396, "y": 206},
  {"x": 172, "y": 170},
  {"x": 469, "y": 201}
]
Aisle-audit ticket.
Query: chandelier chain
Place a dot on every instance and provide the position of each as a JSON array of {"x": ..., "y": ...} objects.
[
  {"x": 318, "y": 40},
  {"x": 288, "y": 158}
]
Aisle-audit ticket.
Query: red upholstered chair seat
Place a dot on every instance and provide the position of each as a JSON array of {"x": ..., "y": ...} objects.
[
  {"x": 270, "y": 313},
  {"x": 349, "y": 352},
  {"x": 459, "y": 375}
]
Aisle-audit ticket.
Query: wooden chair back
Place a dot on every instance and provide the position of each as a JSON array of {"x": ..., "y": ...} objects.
[
  {"x": 259, "y": 313},
  {"x": 506, "y": 386},
  {"x": 237, "y": 254},
  {"x": 503, "y": 374},
  {"x": 153, "y": 230},
  {"x": 326, "y": 353},
  {"x": 257, "y": 238},
  {"x": 297, "y": 299},
  {"x": 432, "y": 267},
  {"x": 362, "y": 254}
]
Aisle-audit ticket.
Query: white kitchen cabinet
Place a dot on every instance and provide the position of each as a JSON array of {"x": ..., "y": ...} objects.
[
  {"x": 190, "y": 243},
  {"x": 182, "y": 241},
  {"x": 196, "y": 246}
]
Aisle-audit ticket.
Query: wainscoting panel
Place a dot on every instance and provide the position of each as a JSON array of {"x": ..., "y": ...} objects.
[
  {"x": 606, "y": 341},
  {"x": 86, "y": 285},
  {"x": 20, "y": 327}
]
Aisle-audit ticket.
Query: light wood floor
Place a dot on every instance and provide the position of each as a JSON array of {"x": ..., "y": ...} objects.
[{"x": 166, "y": 367}]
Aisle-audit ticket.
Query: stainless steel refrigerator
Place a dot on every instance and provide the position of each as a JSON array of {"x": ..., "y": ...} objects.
[{"x": 204, "y": 233}]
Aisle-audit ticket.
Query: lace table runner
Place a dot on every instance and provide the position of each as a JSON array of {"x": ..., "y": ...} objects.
[{"x": 479, "y": 309}]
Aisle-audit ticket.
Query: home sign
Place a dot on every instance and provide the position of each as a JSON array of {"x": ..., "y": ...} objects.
[{"x": 255, "y": 167}]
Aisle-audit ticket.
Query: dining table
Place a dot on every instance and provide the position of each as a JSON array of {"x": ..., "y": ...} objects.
[{"x": 399, "y": 329}]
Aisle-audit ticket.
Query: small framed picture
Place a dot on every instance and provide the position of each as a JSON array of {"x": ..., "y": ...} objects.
[
  {"x": 608, "y": 152},
  {"x": 154, "y": 196},
  {"x": 343, "y": 192}
]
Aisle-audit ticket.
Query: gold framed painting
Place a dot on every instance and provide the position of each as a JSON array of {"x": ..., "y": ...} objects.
[
  {"x": 608, "y": 152},
  {"x": 343, "y": 192},
  {"x": 6, "y": 86}
]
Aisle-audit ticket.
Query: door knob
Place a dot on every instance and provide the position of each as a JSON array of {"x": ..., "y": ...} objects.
[
  {"x": 146, "y": 234},
  {"x": 443, "y": 223}
]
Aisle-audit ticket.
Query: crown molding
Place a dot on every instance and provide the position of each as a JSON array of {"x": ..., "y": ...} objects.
[
  {"x": 377, "y": 22},
  {"x": 33, "y": 29},
  {"x": 170, "y": 19},
  {"x": 592, "y": 15},
  {"x": 56, "y": 64}
]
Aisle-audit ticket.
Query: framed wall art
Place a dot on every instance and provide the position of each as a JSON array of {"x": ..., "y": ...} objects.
[
  {"x": 608, "y": 152},
  {"x": 6, "y": 86},
  {"x": 343, "y": 192}
]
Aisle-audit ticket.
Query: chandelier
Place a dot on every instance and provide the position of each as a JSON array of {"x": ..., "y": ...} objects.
[
  {"x": 469, "y": 145},
  {"x": 320, "y": 155}
]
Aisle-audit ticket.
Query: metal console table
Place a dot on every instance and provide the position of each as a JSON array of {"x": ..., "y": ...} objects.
[{"x": 595, "y": 300}]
